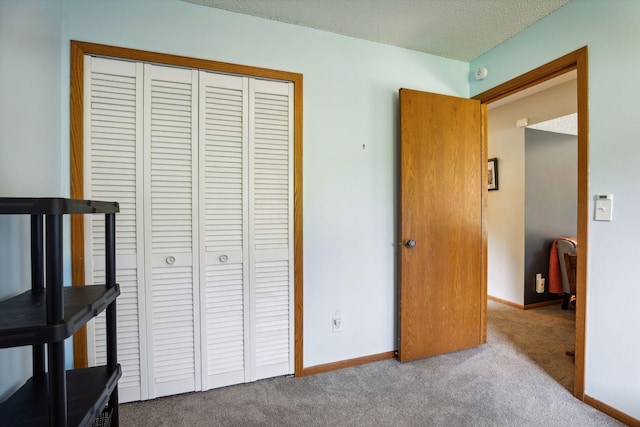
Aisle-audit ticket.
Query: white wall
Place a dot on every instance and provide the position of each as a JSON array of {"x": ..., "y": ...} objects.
[
  {"x": 350, "y": 99},
  {"x": 611, "y": 31},
  {"x": 505, "y": 207}
]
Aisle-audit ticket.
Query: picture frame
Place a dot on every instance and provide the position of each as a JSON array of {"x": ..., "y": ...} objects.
[{"x": 493, "y": 174}]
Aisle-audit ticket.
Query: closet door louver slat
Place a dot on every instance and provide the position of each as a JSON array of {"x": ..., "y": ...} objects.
[{"x": 113, "y": 91}]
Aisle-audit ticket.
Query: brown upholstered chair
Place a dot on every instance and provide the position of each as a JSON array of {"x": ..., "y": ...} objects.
[
  {"x": 566, "y": 246},
  {"x": 570, "y": 262}
]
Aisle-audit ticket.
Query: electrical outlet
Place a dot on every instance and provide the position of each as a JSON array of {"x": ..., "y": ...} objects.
[
  {"x": 337, "y": 324},
  {"x": 336, "y": 321},
  {"x": 539, "y": 283}
]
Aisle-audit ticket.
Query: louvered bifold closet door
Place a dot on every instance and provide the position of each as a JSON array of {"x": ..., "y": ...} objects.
[
  {"x": 113, "y": 172},
  {"x": 223, "y": 178},
  {"x": 171, "y": 229},
  {"x": 271, "y": 227}
]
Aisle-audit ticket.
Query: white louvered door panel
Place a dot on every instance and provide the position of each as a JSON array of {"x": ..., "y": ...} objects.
[
  {"x": 223, "y": 177},
  {"x": 171, "y": 229},
  {"x": 113, "y": 136},
  {"x": 201, "y": 164},
  {"x": 271, "y": 230}
]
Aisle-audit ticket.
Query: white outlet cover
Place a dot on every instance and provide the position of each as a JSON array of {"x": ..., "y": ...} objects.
[{"x": 337, "y": 324}]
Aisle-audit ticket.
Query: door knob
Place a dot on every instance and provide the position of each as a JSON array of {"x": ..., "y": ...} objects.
[
  {"x": 170, "y": 260},
  {"x": 410, "y": 243}
]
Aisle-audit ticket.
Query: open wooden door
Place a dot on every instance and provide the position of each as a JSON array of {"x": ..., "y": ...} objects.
[{"x": 443, "y": 182}]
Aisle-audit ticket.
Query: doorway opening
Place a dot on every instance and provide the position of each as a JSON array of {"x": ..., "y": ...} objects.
[{"x": 576, "y": 61}]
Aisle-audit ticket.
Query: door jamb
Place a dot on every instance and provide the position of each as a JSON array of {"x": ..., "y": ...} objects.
[{"x": 576, "y": 60}]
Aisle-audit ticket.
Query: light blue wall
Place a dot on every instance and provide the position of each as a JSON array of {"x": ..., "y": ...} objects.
[
  {"x": 30, "y": 154},
  {"x": 350, "y": 99},
  {"x": 611, "y": 31},
  {"x": 350, "y": 91},
  {"x": 30, "y": 128}
]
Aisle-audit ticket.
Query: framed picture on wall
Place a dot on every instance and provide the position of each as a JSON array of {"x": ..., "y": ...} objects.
[{"x": 493, "y": 174}]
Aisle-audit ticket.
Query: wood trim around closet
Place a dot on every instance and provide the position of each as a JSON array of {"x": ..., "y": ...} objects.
[
  {"x": 78, "y": 51},
  {"x": 576, "y": 60}
]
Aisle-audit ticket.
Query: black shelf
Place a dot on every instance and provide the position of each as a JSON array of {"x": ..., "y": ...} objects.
[
  {"x": 88, "y": 391},
  {"x": 23, "y": 318},
  {"x": 54, "y": 206},
  {"x": 46, "y": 315}
]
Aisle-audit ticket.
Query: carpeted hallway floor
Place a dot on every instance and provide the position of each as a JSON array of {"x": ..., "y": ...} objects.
[
  {"x": 543, "y": 334},
  {"x": 521, "y": 377}
]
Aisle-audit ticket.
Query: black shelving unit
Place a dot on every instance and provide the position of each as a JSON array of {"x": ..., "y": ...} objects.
[{"x": 49, "y": 313}]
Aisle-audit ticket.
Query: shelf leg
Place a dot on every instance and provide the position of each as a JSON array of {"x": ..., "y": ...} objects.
[
  {"x": 112, "y": 360},
  {"x": 57, "y": 385},
  {"x": 55, "y": 314},
  {"x": 37, "y": 254},
  {"x": 55, "y": 299},
  {"x": 110, "y": 273},
  {"x": 110, "y": 249},
  {"x": 37, "y": 285}
]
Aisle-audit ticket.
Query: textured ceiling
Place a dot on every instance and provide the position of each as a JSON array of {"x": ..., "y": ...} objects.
[
  {"x": 456, "y": 29},
  {"x": 566, "y": 124}
]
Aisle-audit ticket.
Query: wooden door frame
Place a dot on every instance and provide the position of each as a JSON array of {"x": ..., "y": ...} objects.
[
  {"x": 577, "y": 60},
  {"x": 78, "y": 51}
]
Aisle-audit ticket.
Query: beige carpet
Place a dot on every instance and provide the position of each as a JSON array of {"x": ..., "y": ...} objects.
[
  {"x": 543, "y": 334},
  {"x": 521, "y": 377}
]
